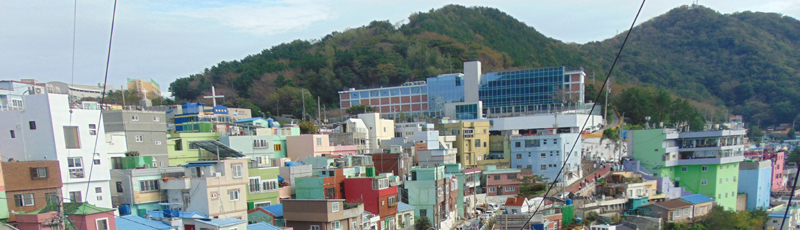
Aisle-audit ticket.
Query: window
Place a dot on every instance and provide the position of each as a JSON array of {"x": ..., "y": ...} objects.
[
  {"x": 119, "y": 186},
  {"x": 424, "y": 212},
  {"x": 519, "y": 156},
  {"x": 233, "y": 195},
  {"x": 555, "y": 141},
  {"x": 71, "y": 139},
  {"x": 734, "y": 178},
  {"x": 392, "y": 201},
  {"x": 139, "y": 138},
  {"x": 334, "y": 207},
  {"x": 532, "y": 143},
  {"x": 497, "y": 177},
  {"x": 102, "y": 224},
  {"x": 156, "y": 119},
  {"x": 96, "y": 161},
  {"x": 38, "y": 173},
  {"x": 135, "y": 118},
  {"x": 314, "y": 227},
  {"x": 544, "y": 141},
  {"x": 544, "y": 155},
  {"x": 260, "y": 144},
  {"x": 267, "y": 185},
  {"x": 178, "y": 145},
  {"x": 277, "y": 147},
  {"x": 255, "y": 184},
  {"x": 516, "y": 144},
  {"x": 677, "y": 212},
  {"x": 214, "y": 195},
  {"x": 720, "y": 180},
  {"x": 50, "y": 197},
  {"x": 263, "y": 204},
  {"x": 704, "y": 168},
  {"x": 544, "y": 167},
  {"x": 32, "y": 125},
  {"x": 512, "y": 176},
  {"x": 93, "y": 126},
  {"x": 491, "y": 189},
  {"x": 319, "y": 141},
  {"x": 75, "y": 196},
  {"x": 149, "y": 185},
  {"x": 703, "y": 182},
  {"x": 510, "y": 188},
  {"x": 477, "y": 143},
  {"x": 75, "y": 167},
  {"x": 684, "y": 169},
  {"x": 336, "y": 225},
  {"x": 98, "y": 189},
  {"x": 236, "y": 170},
  {"x": 13, "y": 135},
  {"x": 24, "y": 199}
]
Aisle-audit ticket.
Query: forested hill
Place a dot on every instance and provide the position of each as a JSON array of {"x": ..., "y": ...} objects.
[{"x": 745, "y": 63}]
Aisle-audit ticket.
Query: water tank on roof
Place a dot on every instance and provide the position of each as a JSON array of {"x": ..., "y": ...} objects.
[
  {"x": 125, "y": 209},
  {"x": 569, "y": 202},
  {"x": 269, "y": 122}
]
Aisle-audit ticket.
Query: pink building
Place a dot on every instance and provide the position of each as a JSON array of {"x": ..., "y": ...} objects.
[
  {"x": 779, "y": 176},
  {"x": 503, "y": 181},
  {"x": 314, "y": 145},
  {"x": 82, "y": 216}
]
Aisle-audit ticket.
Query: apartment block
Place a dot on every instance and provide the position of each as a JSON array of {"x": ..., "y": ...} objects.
[
  {"x": 137, "y": 186},
  {"x": 754, "y": 180},
  {"x": 472, "y": 139},
  {"x": 378, "y": 196},
  {"x": 314, "y": 145},
  {"x": 544, "y": 154},
  {"x": 214, "y": 188},
  {"x": 145, "y": 132},
  {"x": 379, "y": 130},
  {"x": 48, "y": 129}
]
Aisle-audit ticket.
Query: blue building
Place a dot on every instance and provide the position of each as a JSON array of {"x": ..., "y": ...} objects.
[
  {"x": 193, "y": 112},
  {"x": 445, "y": 88},
  {"x": 754, "y": 180},
  {"x": 545, "y": 153}
]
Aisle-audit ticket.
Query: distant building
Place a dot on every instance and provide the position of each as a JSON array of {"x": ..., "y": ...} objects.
[
  {"x": 150, "y": 87},
  {"x": 472, "y": 139},
  {"x": 76, "y": 92},
  {"x": 409, "y": 98},
  {"x": 433, "y": 195},
  {"x": 379, "y": 130},
  {"x": 11, "y": 93},
  {"x": 214, "y": 188},
  {"x": 503, "y": 181},
  {"x": 302, "y": 146},
  {"x": 546, "y": 153}
]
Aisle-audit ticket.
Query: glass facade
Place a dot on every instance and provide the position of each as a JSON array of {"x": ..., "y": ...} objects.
[
  {"x": 464, "y": 112},
  {"x": 444, "y": 89},
  {"x": 521, "y": 90}
]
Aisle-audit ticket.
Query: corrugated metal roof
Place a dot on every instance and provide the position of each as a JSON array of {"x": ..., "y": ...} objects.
[
  {"x": 222, "y": 222},
  {"x": 134, "y": 222},
  {"x": 696, "y": 198},
  {"x": 402, "y": 207},
  {"x": 276, "y": 209},
  {"x": 261, "y": 226}
]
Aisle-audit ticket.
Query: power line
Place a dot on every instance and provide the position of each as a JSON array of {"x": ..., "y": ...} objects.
[
  {"x": 789, "y": 205},
  {"x": 587, "y": 118},
  {"x": 100, "y": 117}
]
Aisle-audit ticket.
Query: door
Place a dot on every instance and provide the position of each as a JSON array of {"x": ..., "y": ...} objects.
[{"x": 499, "y": 190}]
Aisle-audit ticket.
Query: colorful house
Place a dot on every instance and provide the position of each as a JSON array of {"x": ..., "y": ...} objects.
[
  {"x": 27, "y": 180},
  {"x": 472, "y": 139},
  {"x": 81, "y": 216},
  {"x": 314, "y": 145},
  {"x": 754, "y": 180},
  {"x": 377, "y": 195},
  {"x": 263, "y": 189},
  {"x": 136, "y": 185},
  {"x": 318, "y": 187},
  {"x": 181, "y": 150},
  {"x": 214, "y": 188},
  {"x": 502, "y": 181}
]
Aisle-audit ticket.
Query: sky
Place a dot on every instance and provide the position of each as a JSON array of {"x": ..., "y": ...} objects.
[{"x": 166, "y": 40}]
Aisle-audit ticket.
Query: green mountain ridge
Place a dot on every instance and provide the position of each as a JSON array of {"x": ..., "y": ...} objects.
[{"x": 742, "y": 63}]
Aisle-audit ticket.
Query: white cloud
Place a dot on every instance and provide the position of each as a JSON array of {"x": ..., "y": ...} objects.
[{"x": 266, "y": 19}]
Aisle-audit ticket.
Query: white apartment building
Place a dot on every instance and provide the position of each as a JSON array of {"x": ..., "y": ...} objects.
[
  {"x": 47, "y": 129},
  {"x": 214, "y": 188},
  {"x": 379, "y": 130}
]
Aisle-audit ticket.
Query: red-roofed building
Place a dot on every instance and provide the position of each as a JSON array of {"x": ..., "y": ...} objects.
[{"x": 517, "y": 205}]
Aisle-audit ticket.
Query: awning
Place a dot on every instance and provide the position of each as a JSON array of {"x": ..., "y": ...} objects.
[
  {"x": 199, "y": 164},
  {"x": 215, "y": 146}
]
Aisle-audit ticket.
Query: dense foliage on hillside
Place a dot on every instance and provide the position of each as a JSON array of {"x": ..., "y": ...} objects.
[{"x": 743, "y": 63}]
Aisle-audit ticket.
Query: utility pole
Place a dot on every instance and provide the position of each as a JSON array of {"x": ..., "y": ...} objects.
[
  {"x": 122, "y": 92},
  {"x": 319, "y": 111},
  {"x": 303, "y": 95},
  {"x": 61, "y": 217}
]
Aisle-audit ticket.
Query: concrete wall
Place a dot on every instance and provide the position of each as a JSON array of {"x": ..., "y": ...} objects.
[
  {"x": 152, "y": 126},
  {"x": 755, "y": 178},
  {"x": 555, "y": 149},
  {"x": 472, "y": 80}
]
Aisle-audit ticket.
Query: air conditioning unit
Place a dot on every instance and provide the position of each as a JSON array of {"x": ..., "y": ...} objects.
[
  {"x": 217, "y": 174},
  {"x": 39, "y": 91}
]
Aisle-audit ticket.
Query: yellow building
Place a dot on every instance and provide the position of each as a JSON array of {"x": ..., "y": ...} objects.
[
  {"x": 472, "y": 139},
  {"x": 151, "y": 87}
]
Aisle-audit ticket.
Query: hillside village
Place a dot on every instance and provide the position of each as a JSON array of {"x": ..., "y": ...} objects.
[{"x": 470, "y": 150}]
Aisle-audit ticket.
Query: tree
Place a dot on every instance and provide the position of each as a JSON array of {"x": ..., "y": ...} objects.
[
  {"x": 359, "y": 109},
  {"x": 289, "y": 100},
  {"x": 532, "y": 185},
  {"x": 422, "y": 223},
  {"x": 308, "y": 127},
  {"x": 791, "y": 134},
  {"x": 794, "y": 155}
]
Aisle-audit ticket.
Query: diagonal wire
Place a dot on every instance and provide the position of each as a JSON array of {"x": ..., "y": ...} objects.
[
  {"x": 789, "y": 205},
  {"x": 590, "y": 112},
  {"x": 100, "y": 117}
]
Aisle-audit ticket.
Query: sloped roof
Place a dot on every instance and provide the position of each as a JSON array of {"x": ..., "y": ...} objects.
[
  {"x": 222, "y": 222},
  {"x": 515, "y": 201},
  {"x": 261, "y": 226},
  {"x": 73, "y": 209},
  {"x": 184, "y": 215},
  {"x": 402, "y": 207},
  {"x": 275, "y": 209},
  {"x": 697, "y": 199},
  {"x": 134, "y": 222}
]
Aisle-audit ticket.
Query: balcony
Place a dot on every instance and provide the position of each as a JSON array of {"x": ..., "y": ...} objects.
[{"x": 704, "y": 158}]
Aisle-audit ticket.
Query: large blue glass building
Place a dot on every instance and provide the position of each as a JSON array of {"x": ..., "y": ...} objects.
[
  {"x": 446, "y": 88},
  {"x": 521, "y": 90}
]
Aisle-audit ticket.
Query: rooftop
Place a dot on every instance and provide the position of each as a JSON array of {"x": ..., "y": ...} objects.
[
  {"x": 276, "y": 209},
  {"x": 261, "y": 226},
  {"x": 402, "y": 207},
  {"x": 515, "y": 201},
  {"x": 184, "y": 215},
  {"x": 134, "y": 222},
  {"x": 673, "y": 204},
  {"x": 222, "y": 222},
  {"x": 696, "y": 199},
  {"x": 215, "y": 146},
  {"x": 74, "y": 209}
]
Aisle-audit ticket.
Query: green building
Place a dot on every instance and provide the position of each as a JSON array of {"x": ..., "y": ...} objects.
[
  {"x": 263, "y": 189},
  {"x": 705, "y": 162},
  {"x": 181, "y": 152},
  {"x": 279, "y": 138},
  {"x": 136, "y": 184}
]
